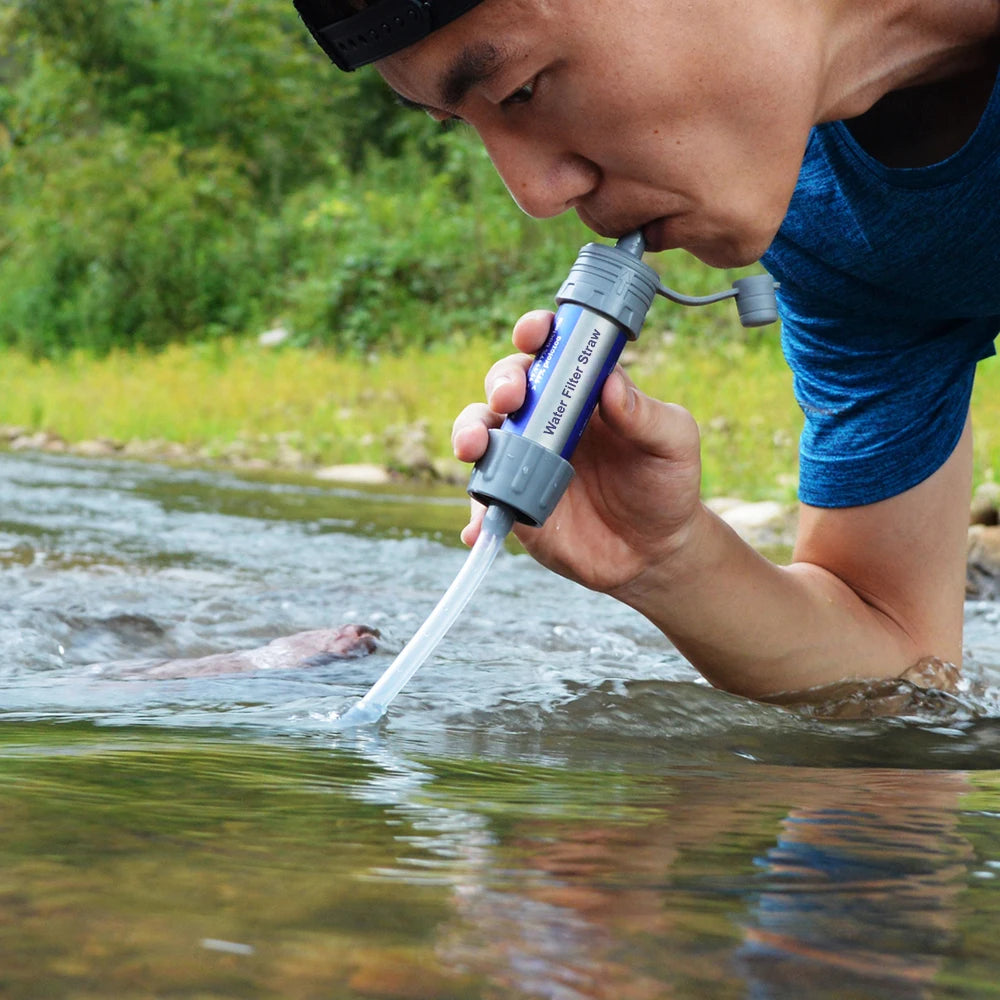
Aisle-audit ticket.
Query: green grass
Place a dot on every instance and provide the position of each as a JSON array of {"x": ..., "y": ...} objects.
[{"x": 349, "y": 409}]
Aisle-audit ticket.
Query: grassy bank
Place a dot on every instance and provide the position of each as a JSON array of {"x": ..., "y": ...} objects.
[{"x": 234, "y": 400}]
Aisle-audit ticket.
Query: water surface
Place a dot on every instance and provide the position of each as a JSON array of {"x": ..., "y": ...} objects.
[{"x": 556, "y": 806}]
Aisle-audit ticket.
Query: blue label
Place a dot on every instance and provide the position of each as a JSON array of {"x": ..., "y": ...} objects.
[{"x": 564, "y": 382}]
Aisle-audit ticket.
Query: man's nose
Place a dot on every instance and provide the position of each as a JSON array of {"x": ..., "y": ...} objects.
[{"x": 542, "y": 179}]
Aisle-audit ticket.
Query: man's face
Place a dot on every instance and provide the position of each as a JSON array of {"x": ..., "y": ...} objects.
[{"x": 687, "y": 120}]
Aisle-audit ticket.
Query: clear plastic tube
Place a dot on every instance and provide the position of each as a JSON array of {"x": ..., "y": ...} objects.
[{"x": 497, "y": 523}]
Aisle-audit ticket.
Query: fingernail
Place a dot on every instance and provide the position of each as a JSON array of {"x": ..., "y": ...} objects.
[
  {"x": 498, "y": 381},
  {"x": 630, "y": 399}
]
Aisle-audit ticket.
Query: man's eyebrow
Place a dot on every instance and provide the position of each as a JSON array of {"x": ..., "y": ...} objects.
[{"x": 475, "y": 64}]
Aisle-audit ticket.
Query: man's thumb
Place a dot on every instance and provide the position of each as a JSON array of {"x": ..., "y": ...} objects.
[{"x": 658, "y": 428}]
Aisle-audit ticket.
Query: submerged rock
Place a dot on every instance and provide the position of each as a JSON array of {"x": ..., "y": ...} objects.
[{"x": 302, "y": 651}]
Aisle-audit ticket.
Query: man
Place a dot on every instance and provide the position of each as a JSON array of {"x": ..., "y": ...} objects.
[{"x": 856, "y": 148}]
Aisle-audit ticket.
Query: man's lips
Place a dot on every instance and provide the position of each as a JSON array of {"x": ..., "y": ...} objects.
[
  {"x": 657, "y": 235},
  {"x": 656, "y": 232}
]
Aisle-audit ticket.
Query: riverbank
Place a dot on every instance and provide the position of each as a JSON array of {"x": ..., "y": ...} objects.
[
  {"x": 263, "y": 406},
  {"x": 250, "y": 406},
  {"x": 768, "y": 525}
]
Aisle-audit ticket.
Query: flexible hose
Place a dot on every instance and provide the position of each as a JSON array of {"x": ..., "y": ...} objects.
[{"x": 497, "y": 523}]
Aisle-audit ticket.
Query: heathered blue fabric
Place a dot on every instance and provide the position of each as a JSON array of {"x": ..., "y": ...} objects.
[{"x": 890, "y": 295}]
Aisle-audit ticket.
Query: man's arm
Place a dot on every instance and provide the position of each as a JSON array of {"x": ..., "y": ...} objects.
[{"x": 870, "y": 592}]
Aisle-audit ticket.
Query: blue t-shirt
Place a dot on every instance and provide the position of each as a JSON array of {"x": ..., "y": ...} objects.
[{"x": 890, "y": 295}]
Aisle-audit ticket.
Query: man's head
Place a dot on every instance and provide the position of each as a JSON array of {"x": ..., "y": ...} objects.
[
  {"x": 688, "y": 121},
  {"x": 354, "y": 33}
]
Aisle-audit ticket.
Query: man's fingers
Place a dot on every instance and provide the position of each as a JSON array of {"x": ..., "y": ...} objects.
[
  {"x": 505, "y": 383},
  {"x": 532, "y": 330},
  {"x": 505, "y": 386},
  {"x": 470, "y": 432},
  {"x": 471, "y": 531}
]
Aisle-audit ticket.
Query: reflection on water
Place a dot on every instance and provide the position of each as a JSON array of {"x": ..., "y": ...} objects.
[
  {"x": 142, "y": 863},
  {"x": 555, "y": 807}
]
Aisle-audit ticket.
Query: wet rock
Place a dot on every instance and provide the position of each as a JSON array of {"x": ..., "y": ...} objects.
[
  {"x": 112, "y": 637},
  {"x": 132, "y": 625},
  {"x": 302, "y": 650},
  {"x": 982, "y": 563}
]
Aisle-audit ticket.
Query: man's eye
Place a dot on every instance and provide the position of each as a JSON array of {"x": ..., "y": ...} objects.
[{"x": 522, "y": 95}]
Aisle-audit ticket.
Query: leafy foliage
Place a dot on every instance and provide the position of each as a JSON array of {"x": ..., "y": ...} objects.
[{"x": 185, "y": 169}]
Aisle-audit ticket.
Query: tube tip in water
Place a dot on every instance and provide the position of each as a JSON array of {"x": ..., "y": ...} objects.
[
  {"x": 498, "y": 521},
  {"x": 358, "y": 715}
]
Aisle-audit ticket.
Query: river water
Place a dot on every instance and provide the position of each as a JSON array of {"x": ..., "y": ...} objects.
[{"x": 554, "y": 807}]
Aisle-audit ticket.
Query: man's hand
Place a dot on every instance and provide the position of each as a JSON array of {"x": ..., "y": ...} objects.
[{"x": 637, "y": 481}]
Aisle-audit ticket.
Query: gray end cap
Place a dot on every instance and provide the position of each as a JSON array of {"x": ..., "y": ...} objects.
[
  {"x": 612, "y": 282},
  {"x": 522, "y": 474},
  {"x": 755, "y": 300}
]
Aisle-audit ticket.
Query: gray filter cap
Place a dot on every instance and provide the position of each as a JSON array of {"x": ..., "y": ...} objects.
[{"x": 614, "y": 282}]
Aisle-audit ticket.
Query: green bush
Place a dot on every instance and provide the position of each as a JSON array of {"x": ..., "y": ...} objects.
[
  {"x": 417, "y": 249},
  {"x": 177, "y": 169},
  {"x": 112, "y": 241}
]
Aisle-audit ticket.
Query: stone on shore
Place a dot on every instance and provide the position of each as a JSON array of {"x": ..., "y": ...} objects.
[
  {"x": 762, "y": 524},
  {"x": 365, "y": 474},
  {"x": 982, "y": 563}
]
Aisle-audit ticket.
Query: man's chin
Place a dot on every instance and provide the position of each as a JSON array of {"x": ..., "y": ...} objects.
[
  {"x": 720, "y": 251},
  {"x": 728, "y": 253},
  {"x": 727, "y": 260}
]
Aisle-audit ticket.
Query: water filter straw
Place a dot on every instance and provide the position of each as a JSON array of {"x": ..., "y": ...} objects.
[
  {"x": 371, "y": 708},
  {"x": 602, "y": 305}
]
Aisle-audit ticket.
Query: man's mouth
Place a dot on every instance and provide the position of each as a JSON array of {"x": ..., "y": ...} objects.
[{"x": 657, "y": 235}]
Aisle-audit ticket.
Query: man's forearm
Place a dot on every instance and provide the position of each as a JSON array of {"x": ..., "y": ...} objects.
[{"x": 758, "y": 629}]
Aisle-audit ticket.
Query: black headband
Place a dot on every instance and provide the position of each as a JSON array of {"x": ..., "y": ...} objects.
[{"x": 379, "y": 30}]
